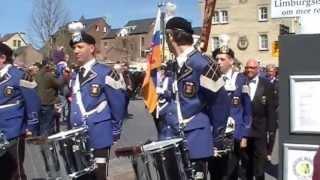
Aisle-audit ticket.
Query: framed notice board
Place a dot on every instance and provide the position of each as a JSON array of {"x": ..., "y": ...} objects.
[{"x": 299, "y": 64}]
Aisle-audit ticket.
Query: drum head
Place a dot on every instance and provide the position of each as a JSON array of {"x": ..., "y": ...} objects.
[
  {"x": 66, "y": 134},
  {"x": 160, "y": 145}
]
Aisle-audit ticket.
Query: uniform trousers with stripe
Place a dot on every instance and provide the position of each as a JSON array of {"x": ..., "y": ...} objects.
[{"x": 11, "y": 163}]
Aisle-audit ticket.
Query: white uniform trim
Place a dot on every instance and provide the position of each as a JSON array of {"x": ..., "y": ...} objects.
[
  {"x": 161, "y": 90},
  {"x": 230, "y": 84},
  {"x": 9, "y": 105},
  {"x": 84, "y": 113},
  {"x": 210, "y": 84},
  {"x": 181, "y": 120},
  {"x": 160, "y": 107},
  {"x": 115, "y": 84},
  {"x": 5, "y": 69},
  {"x": 28, "y": 84}
]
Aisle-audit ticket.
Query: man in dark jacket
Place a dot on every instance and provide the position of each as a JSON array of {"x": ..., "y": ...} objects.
[{"x": 263, "y": 120}]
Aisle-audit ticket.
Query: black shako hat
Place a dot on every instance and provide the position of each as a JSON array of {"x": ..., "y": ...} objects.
[
  {"x": 5, "y": 50},
  {"x": 223, "y": 50},
  {"x": 81, "y": 37},
  {"x": 179, "y": 23}
]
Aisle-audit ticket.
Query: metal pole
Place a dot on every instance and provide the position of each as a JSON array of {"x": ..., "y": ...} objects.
[
  {"x": 163, "y": 35},
  {"x": 161, "y": 5}
]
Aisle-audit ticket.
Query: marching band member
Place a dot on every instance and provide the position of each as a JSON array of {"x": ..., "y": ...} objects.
[
  {"x": 239, "y": 120},
  {"x": 98, "y": 99},
  {"x": 19, "y": 106},
  {"x": 198, "y": 100}
]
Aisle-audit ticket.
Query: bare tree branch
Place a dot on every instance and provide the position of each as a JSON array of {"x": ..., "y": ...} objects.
[{"x": 46, "y": 19}]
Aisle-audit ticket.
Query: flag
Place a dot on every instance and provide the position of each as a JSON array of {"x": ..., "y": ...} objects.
[{"x": 154, "y": 61}]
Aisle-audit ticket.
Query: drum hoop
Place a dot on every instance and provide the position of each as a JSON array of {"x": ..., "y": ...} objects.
[
  {"x": 147, "y": 148},
  {"x": 66, "y": 134}
]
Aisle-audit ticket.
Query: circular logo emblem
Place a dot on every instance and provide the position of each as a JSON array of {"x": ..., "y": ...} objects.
[
  {"x": 303, "y": 168},
  {"x": 8, "y": 91},
  {"x": 243, "y": 43}
]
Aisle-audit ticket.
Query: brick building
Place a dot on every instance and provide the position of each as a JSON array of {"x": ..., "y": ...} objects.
[{"x": 130, "y": 43}]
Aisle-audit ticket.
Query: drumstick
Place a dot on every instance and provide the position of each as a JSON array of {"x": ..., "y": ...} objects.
[
  {"x": 128, "y": 151},
  {"x": 37, "y": 140}
]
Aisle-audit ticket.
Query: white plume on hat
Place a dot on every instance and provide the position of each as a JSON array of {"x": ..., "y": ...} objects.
[
  {"x": 170, "y": 10},
  {"x": 224, "y": 40},
  {"x": 75, "y": 27}
]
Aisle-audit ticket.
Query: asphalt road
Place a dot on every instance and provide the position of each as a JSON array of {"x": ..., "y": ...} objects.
[{"x": 137, "y": 129}]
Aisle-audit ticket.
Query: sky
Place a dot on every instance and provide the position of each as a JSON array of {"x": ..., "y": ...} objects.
[{"x": 15, "y": 15}]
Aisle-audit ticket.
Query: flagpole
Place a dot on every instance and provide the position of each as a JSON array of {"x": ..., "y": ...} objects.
[{"x": 161, "y": 5}]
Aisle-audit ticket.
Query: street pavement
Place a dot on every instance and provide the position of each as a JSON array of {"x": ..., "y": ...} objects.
[{"x": 137, "y": 129}]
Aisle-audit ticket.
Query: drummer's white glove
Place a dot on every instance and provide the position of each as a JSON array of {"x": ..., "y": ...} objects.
[{"x": 230, "y": 125}]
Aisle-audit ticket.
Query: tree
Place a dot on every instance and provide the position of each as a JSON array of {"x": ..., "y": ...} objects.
[{"x": 47, "y": 17}]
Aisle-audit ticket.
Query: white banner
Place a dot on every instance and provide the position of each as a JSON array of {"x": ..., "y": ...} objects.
[{"x": 294, "y": 8}]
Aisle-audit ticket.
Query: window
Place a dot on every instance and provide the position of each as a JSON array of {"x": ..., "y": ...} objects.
[
  {"x": 130, "y": 28},
  {"x": 142, "y": 41},
  {"x": 215, "y": 42},
  {"x": 263, "y": 42},
  {"x": 97, "y": 28},
  {"x": 105, "y": 44},
  {"x": 263, "y": 14},
  {"x": 216, "y": 17},
  {"x": 220, "y": 17},
  {"x": 14, "y": 43},
  {"x": 224, "y": 16},
  {"x": 19, "y": 43},
  {"x": 105, "y": 29}
]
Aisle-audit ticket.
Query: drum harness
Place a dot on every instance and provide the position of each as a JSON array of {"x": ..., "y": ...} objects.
[
  {"x": 189, "y": 167},
  {"x": 227, "y": 133}
]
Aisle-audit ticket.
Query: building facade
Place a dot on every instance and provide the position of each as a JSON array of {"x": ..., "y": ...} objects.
[
  {"x": 130, "y": 43},
  {"x": 96, "y": 27},
  {"x": 27, "y": 55},
  {"x": 252, "y": 31},
  {"x": 14, "y": 40}
]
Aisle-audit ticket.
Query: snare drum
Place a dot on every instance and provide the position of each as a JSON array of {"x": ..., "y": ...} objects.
[
  {"x": 74, "y": 148},
  {"x": 160, "y": 160}
]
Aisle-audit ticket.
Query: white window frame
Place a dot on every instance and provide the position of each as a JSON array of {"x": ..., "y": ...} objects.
[
  {"x": 263, "y": 42},
  {"x": 216, "y": 17},
  {"x": 97, "y": 28},
  {"x": 221, "y": 16},
  {"x": 263, "y": 13},
  {"x": 224, "y": 16},
  {"x": 130, "y": 28}
]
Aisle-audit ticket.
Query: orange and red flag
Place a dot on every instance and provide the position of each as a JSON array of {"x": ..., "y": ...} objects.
[{"x": 154, "y": 62}]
